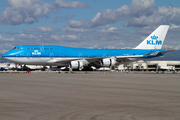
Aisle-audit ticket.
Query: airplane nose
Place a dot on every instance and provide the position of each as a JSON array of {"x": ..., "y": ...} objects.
[{"x": 5, "y": 56}]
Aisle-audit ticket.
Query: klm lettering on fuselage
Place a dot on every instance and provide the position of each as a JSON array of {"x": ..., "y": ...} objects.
[{"x": 154, "y": 41}]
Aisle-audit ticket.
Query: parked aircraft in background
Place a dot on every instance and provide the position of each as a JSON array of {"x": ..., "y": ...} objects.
[
  {"x": 83, "y": 58},
  {"x": 18, "y": 67},
  {"x": 6, "y": 67}
]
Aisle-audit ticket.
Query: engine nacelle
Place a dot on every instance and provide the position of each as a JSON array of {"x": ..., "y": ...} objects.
[
  {"x": 76, "y": 64},
  {"x": 107, "y": 62}
]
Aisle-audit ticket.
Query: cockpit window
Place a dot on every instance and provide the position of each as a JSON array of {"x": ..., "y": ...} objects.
[{"x": 16, "y": 47}]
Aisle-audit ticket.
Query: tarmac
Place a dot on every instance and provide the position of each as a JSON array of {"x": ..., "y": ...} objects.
[{"x": 89, "y": 96}]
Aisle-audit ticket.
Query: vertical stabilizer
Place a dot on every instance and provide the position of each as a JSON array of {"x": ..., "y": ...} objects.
[{"x": 155, "y": 39}]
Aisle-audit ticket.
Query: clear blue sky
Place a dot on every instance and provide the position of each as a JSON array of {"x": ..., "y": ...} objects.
[{"x": 86, "y": 23}]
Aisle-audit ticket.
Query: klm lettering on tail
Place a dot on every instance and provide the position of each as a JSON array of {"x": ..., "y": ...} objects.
[{"x": 154, "y": 41}]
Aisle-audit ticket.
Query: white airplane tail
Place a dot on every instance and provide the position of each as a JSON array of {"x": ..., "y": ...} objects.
[{"x": 155, "y": 39}]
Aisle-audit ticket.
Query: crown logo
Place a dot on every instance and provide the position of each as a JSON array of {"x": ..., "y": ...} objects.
[{"x": 154, "y": 37}]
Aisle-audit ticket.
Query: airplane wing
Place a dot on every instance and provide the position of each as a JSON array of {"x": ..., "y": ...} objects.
[
  {"x": 97, "y": 61},
  {"x": 118, "y": 58}
]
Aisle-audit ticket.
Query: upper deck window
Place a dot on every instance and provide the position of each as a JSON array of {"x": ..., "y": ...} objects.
[
  {"x": 48, "y": 48},
  {"x": 16, "y": 47},
  {"x": 33, "y": 48}
]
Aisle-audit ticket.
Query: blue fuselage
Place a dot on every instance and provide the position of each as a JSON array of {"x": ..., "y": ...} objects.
[
  {"x": 59, "y": 51},
  {"x": 61, "y": 56}
]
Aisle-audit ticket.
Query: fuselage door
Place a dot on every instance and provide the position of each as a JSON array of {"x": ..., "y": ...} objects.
[
  {"x": 42, "y": 48},
  {"x": 80, "y": 55}
]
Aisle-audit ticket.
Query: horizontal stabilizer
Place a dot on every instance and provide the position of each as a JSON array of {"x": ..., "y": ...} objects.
[
  {"x": 152, "y": 54},
  {"x": 166, "y": 51},
  {"x": 157, "y": 52}
]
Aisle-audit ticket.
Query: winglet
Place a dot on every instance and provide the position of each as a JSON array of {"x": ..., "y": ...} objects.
[{"x": 155, "y": 39}]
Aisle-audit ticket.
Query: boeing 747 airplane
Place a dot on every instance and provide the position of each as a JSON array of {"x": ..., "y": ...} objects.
[{"x": 79, "y": 58}]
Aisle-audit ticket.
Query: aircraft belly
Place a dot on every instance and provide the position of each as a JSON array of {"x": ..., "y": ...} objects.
[
  {"x": 60, "y": 61},
  {"x": 32, "y": 61},
  {"x": 11, "y": 59}
]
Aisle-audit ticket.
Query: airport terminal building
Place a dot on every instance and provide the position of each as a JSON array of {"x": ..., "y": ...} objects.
[{"x": 151, "y": 66}]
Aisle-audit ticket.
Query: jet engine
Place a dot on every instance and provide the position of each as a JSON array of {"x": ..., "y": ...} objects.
[
  {"x": 107, "y": 62},
  {"x": 76, "y": 65}
]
